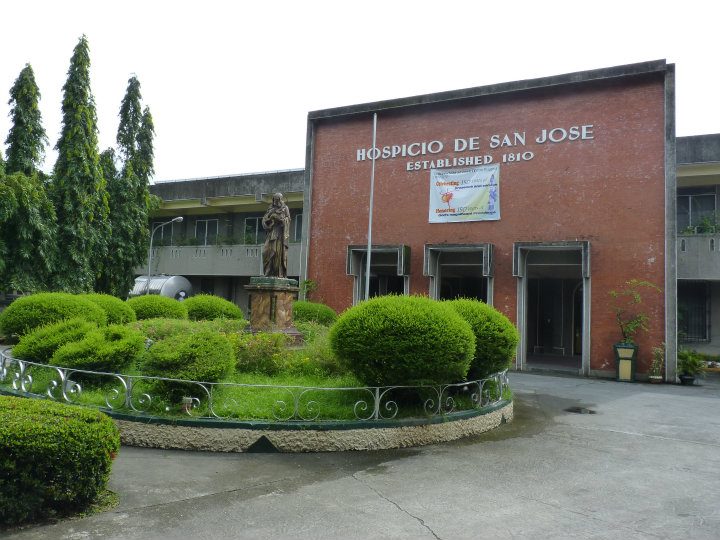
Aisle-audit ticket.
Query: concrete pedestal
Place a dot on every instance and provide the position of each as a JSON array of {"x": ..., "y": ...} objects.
[{"x": 270, "y": 303}]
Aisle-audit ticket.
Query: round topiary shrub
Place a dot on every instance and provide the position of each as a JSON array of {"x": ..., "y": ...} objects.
[
  {"x": 396, "y": 340},
  {"x": 117, "y": 311},
  {"x": 40, "y": 344},
  {"x": 204, "y": 356},
  {"x": 151, "y": 306},
  {"x": 305, "y": 311},
  {"x": 108, "y": 349},
  {"x": 30, "y": 312},
  {"x": 495, "y": 337},
  {"x": 54, "y": 458},
  {"x": 206, "y": 307}
]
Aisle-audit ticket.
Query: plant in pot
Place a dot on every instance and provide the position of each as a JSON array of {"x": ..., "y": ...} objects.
[
  {"x": 690, "y": 365},
  {"x": 655, "y": 373},
  {"x": 630, "y": 319}
]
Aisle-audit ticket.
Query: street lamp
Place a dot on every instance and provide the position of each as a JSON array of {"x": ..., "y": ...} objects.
[{"x": 152, "y": 234}]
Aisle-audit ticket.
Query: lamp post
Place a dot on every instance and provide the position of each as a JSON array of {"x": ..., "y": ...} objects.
[{"x": 152, "y": 235}]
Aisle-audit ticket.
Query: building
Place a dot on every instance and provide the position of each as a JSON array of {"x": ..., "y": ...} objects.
[{"x": 558, "y": 190}]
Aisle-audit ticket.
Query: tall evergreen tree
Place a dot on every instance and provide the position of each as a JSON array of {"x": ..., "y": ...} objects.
[
  {"x": 129, "y": 195},
  {"x": 27, "y": 234},
  {"x": 79, "y": 191},
  {"x": 26, "y": 140}
]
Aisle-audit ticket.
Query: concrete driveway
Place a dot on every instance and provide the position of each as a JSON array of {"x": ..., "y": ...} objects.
[{"x": 645, "y": 465}]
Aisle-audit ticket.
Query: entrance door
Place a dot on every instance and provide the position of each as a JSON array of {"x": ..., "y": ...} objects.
[{"x": 552, "y": 328}]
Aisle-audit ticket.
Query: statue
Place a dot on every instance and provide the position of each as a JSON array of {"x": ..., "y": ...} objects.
[{"x": 276, "y": 222}]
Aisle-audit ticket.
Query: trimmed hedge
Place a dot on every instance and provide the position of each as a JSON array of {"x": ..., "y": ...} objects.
[
  {"x": 397, "y": 340},
  {"x": 205, "y": 356},
  {"x": 157, "y": 329},
  {"x": 206, "y": 307},
  {"x": 152, "y": 306},
  {"x": 40, "y": 344},
  {"x": 30, "y": 312},
  {"x": 107, "y": 349},
  {"x": 54, "y": 458},
  {"x": 117, "y": 311},
  {"x": 495, "y": 337},
  {"x": 305, "y": 311}
]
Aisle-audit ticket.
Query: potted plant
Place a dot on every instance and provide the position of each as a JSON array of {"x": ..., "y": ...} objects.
[
  {"x": 690, "y": 365},
  {"x": 655, "y": 373},
  {"x": 630, "y": 319}
]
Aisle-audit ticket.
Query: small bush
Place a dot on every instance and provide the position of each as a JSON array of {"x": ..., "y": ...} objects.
[
  {"x": 54, "y": 458},
  {"x": 304, "y": 311},
  {"x": 157, "y": 329},
  {"x": 394, "y": 340},
  {"x": 152, "y": 306},
  {"x": 205, "y": 307},
  {"x": 109, "y": 349},
  {"x": 263, "y": 352},
  {"x": 317, "y": 356},
  {"x": 495, "y": 337},
  {"x": 30, "y": 312},
  {"x": 205, "y": 356},
  {"x": 40, "y": 344},
  {"x": 117, "y": 311}
]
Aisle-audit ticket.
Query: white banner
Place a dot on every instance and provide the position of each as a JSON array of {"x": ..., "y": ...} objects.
[{"x": 471, "y": 194}]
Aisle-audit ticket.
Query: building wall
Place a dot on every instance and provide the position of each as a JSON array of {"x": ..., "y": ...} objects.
[{"x": 608, "y": 190}]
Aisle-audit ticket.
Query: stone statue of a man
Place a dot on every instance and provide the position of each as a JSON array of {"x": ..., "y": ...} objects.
[{"x": 276, "y": 222}]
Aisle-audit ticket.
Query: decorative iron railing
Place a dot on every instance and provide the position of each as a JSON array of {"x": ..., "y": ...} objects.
[{"x": 158, "y": 396}]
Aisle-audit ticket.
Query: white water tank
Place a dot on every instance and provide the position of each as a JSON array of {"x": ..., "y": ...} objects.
[{"x": 177, "y": 287}]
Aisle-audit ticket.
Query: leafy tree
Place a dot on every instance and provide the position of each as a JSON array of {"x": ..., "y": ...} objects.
[
  {"x": 2, "y": 164},
  {"x": 27, "y": 234},
  {"x": 26, "y": 140},
  {"x": 130, "y": 200},
  {"x": 79, "y": 190}
]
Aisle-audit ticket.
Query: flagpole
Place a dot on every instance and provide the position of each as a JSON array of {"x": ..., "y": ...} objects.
[{"x": 370, "y": 217}]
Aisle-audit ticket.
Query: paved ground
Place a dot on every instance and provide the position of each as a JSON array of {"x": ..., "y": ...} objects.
[{"x": 647, "y": 465}]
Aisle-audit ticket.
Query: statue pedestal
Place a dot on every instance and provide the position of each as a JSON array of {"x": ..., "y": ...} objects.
[{"x": 270, "y": 305}]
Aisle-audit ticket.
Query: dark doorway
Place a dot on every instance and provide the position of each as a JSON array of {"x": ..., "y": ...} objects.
[
  {"x": 554, "y": 311},
  {"x": 460, "y": 275}
]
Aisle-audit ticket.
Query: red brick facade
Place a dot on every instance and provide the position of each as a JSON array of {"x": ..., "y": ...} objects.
[{"x": 608, "y": 189}]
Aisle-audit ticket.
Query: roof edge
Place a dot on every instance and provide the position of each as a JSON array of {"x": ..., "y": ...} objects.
[{"x": 641, "y": 68}]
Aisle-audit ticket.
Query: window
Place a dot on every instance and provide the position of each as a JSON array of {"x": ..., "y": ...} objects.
[
  {"x": 164, "y": 235},
  {"x": 254, "y": 232},
  {"x": 206, "y": 231},
  {"x": 696, "y": 209},
  {"x": 296, "y": 235}
]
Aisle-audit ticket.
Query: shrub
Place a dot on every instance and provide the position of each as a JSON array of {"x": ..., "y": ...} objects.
[
  {"x": 117, "y": 311},
  {"x": 205, "y": 307},
  {"x": 152, "y": 306},
  {"x": 30, "y": 312},
  {"x": 317, "y": 356},
  {"x": 495, "y": 337},
  {"x": 54, "y": 458},
  {"x": 157, "y": 329},
  {"x": 204, "y": 356},
  {"x": 395, "y": 340},
  {"x": 304, "y": 311},
  {"x": 260, "y": 353},
  {"x": 110, "y": 349},
  {"x": 40, "y": 344}
]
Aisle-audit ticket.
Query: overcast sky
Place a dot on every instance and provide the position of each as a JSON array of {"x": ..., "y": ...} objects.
[{"x": 230, "y": 84}]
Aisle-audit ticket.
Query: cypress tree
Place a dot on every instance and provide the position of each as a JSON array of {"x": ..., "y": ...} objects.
[
  {"x": 27, "y": 234},
  {"x": 26, "y": 140},
  {"x": 79, "y": 191},
  {"x": 129, "y": 195}
]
